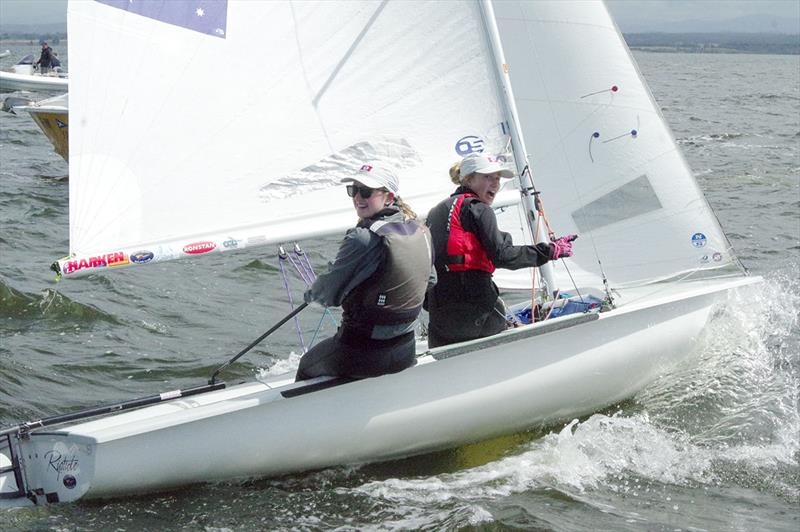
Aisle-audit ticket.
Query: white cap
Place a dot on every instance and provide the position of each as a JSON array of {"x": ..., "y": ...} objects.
[
  {"x": 484, "y": 164},
  {"x": 376, "y": 175}
]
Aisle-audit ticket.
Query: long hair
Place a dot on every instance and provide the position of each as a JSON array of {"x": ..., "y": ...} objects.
[
  {"x": 455, "y": 175},
  {"x": 404, "y": 208}
]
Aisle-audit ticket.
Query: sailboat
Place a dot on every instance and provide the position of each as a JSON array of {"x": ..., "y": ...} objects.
[
  {"x": 52, "y": 117},
  {"x": 549, "y": 85}
]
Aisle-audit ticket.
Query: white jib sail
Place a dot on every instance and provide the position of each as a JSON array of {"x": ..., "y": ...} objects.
[
  {"x": 192, "y": 135},
  {"x": 606, "y": 163}
]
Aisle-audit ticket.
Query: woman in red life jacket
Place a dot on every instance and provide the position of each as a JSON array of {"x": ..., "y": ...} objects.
[
  {"x": 468, "y": 246},
  {"x": 379, "y": 277}
]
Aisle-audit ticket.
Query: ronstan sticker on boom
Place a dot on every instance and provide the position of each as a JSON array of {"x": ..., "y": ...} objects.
[{"x": 199, "y": 247}]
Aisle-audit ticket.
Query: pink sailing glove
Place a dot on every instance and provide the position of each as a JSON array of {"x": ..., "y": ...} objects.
[{"x": 562, "y": 247}]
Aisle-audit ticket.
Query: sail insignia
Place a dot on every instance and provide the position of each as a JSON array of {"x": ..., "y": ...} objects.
[
  {"x": 328, "y": 172},
  {"x": 204, "y": 16}
]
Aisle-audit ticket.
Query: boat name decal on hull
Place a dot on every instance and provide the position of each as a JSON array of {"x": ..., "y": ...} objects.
[{"x": 61, "y": 464}]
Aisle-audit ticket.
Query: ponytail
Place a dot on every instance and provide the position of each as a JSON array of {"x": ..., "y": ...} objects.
[
  {"x": 455, "y": 173},
  {"x": 404, "y": 208}
]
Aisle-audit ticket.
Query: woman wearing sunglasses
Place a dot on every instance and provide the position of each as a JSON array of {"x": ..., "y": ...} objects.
[
  {"x": 468, "y": 246},
  {"x": 379, "y": 278}
]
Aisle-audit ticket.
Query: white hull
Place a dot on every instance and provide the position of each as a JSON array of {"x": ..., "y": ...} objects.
[
  {"x": 510, "y": 382},
  {"x": 10, "y": 81}
]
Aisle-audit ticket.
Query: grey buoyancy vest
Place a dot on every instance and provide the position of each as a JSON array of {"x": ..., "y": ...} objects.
[{"x": 394, "y": 293}]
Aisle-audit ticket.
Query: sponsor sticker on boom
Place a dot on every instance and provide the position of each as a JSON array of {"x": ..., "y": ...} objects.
[
  {"x": 140, "y": 257},
  {"x": 117, "y": 258},
  {"x": 199, "y": 247}
]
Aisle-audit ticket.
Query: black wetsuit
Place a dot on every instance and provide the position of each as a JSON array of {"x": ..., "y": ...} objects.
[{"x": 465, "y": 305}]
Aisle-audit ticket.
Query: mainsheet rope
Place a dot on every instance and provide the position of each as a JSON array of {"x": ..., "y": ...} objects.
[{"x": 305, "y": 271}]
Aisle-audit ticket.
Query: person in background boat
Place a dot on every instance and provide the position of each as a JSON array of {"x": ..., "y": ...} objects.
[
  {"x": 55, "y": 62},
  {"x": 382, "y": 270},
  {"x": 45, "y": 59},
  {"x": 468, "y": 246}
]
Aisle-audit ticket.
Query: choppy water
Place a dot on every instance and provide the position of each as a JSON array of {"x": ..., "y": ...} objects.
[{"x": 712, "y": 446}]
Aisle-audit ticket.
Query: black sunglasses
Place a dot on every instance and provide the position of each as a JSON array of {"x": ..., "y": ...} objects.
[{"x": 365, "y": 192}]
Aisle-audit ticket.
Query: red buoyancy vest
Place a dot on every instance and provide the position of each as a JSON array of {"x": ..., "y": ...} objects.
[{"x": 464, "y": 250}]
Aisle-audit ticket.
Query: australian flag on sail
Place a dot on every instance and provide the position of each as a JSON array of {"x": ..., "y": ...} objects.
[{"x": 205, "y": 16}]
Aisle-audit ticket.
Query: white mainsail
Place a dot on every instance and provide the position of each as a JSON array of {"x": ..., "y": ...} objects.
[
  {"x": 606, "y": 163},
  {"x": 163, "y": 166}
]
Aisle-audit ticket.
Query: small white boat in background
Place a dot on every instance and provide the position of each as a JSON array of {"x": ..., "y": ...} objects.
[
  {"x": 52, "y": 117},
  {"x": 24, "y": 77},
  {"x": 5, "y": 53}
]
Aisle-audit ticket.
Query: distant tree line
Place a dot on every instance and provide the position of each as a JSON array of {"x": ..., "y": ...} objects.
[
  {"x": 760, "y": 43},
  {"x": 50, "y": 38},
  {"x": 764, "y": 43}
]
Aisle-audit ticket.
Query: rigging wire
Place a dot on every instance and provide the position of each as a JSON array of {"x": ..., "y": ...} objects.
[
  {"x": 534, "y": 276},
  {"x": 542, "y": 216},
  {"x": 305, "y": 262},
  {"x": 302, "y": 265},
  {"x": 282, "y": 257},
  {"x": 298, "y": 266}
]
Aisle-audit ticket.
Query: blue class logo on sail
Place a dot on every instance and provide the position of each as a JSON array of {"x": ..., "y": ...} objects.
[
  {"x": 204, "y": 16},
  {"x": 469, "y": 144},
  {"x": 699, "y": 240}
]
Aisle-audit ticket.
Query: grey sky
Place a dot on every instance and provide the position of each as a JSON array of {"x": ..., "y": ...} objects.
[
  {"x": 706, "y": 15},
  {"x": 630, "y": 15},
  {"x": 32, "y": 11}
]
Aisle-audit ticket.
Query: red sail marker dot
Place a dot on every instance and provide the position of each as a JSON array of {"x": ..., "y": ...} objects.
[{"x": 613, "y": 88}]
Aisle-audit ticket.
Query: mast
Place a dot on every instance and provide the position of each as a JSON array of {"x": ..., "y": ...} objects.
[{"x": 517, "y": 141}]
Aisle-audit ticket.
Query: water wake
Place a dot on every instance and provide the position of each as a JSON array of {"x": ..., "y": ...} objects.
[{"x": 727, "y": 419}]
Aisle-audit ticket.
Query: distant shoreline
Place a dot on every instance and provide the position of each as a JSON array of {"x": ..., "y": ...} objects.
[
  {"x": 691, "y": 50},
  {"x": 35, "y": 42},
  {"x": 715, "y": 43},
  {"x": 688, "y": 43}
]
